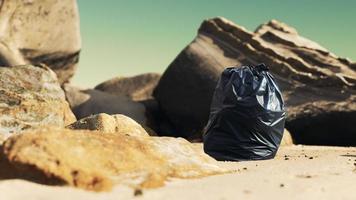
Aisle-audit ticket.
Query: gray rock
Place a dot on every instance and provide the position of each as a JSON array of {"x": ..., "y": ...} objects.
[
  {"x": 33, "y": 32},
  {"x": 138, "y": 88},
  {"x": 86, "y": 102}
]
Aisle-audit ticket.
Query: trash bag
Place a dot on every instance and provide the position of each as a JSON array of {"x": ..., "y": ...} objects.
[{"x": 247, "y": 116}]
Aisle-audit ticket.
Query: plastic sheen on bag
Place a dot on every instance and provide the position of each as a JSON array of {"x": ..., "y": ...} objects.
[{"x": 247, "y": 116}]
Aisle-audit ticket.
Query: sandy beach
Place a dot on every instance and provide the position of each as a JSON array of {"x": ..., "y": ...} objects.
[{"x": 297, "y": 172}]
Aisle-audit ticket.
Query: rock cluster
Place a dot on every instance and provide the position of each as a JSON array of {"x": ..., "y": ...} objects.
[
  {"x": 130, "y": 96},
  {"x": 107, "y": 149},
  {"x": 318, "y": 87}
]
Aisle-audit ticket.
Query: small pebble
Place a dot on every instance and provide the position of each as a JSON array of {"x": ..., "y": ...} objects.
[
  {"x": 138, "y": 192},
  {"x": 247, "y": 191}
]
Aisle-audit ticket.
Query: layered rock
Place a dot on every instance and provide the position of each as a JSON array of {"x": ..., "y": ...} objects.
[
  {"x": 95, "y": 161},
  {"x": 119, "y": 124},
  {"x": 31, "y": 97},
  {"x": 86, "y": 102},
  {"x": 315, "y": 82},
  {"x": 33, "y": 32},
  {"x": 138, "y": 88}
]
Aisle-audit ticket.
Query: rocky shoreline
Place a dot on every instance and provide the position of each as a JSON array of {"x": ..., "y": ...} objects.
[{"x": 55, "y": 133}]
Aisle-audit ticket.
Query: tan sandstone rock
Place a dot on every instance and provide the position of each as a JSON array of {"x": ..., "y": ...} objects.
[
  {"x": 31, "y": 97},
  {"x": 102, "y": 122},
  {"x": 34, "y": 32},
  {"x": 94, "y": 161},
  {"x": 287, "y": 139}
]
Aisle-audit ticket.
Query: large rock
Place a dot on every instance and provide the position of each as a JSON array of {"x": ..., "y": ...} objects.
[
  {"x": 31, "y": 97},
  {"x": 33, "y": 32},
  {"x": 102, "y": 122},
  {"x": 95, "y": 161},
  {"x": 86, "y": 102},
  {"x": 138, "y": 87},
  {"x": 315, "y": 82}
]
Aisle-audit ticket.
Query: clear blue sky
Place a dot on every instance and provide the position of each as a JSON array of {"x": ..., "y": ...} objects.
[{"x": 128, "y": 37}]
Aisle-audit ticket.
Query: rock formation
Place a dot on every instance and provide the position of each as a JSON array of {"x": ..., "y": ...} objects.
[
  {"x": 138, "y": 88},
  {"x": 86, "y": 102},
  {"x": 95, "y": 161},
  {"x": 31, "y": 97},
  {"x": 34, "y": 32},
  {"x": 119, "y": 124},
  {"x": 319, "y": 87}
]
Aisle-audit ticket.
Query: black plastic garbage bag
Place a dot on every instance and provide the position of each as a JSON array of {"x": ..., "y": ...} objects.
[{"x": 247, "y": 116}]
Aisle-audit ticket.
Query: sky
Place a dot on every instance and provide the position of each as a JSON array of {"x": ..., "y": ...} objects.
[{"x": 129, "y": 37}]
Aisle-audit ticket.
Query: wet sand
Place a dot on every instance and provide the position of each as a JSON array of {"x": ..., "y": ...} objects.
[{"x": 297, "y": 172}]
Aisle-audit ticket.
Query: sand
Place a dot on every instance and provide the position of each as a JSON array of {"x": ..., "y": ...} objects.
[{"x": 297, "y": 172}]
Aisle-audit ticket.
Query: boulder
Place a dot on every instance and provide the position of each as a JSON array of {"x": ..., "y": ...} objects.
[
  {"x": 310, "y": 77},
  {"x": 102, "y": 122},
  {"x": 95, "y": 161},
  {"x": 34, "y": 32},
  {"x": 86, "y": 102},
  {"x": 138, "y": 88},
  {"x": 31, "y": 97}
]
